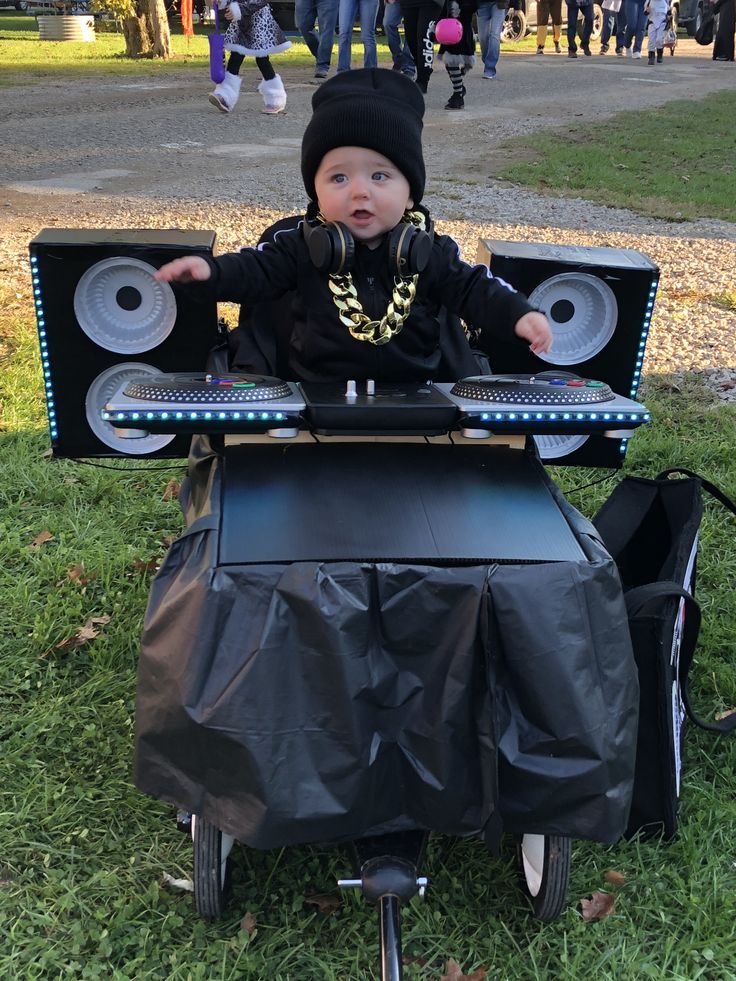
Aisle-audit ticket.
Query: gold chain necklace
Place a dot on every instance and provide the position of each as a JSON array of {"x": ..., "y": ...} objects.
[{"x": 361, "y": 327}]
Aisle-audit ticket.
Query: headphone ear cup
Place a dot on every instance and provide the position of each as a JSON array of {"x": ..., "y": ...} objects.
[
  {"x": 409, "y": 249},
  {"x": 331, "y": 247}
]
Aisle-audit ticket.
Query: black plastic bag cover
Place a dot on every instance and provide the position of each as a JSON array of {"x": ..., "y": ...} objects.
[{"x": 315, "y": 701}]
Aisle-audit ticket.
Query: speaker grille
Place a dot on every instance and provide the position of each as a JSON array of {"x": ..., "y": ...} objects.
[
  {"x": 556, "y": 447},
  {"x": 582, "y": 312},
  {"x": 122, "y": 308},
  {"x": 101, "y": 391}
]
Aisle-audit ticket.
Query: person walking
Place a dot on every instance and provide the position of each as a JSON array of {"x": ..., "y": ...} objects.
[
  {"x": 656, "y": 10},
  {"x": 723, "y": 46},
  {"x": 367, "y": 12},
  {"x": 610, "y": 23},
  {"x": 636, "y": 22},
  {"x": 545, "y": 10},
  {"x": 253, "y": 31},
  {"x": 400, "y": 53},
  {"x": 420, "y": 17},
  {"x": 574, "y": 9},
  {"x": 490, "y": 16},
  {"x": 459, "y": 58},
  {"x": 307, "y": 13}
]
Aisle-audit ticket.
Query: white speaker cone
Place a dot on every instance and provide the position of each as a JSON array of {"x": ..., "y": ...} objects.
[
  {"x": 553, "y": 447},
  {"x": 582, "y": 312},
  {"x": 101, "y": 391},
  {"x": 121, "y": 307}
]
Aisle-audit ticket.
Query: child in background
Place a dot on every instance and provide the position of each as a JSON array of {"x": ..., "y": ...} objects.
[
  {"x": 459, "y": 58},
  {"x": 370, "y": 276},
  {"x": 657, "y": 12},
  {"x": 253, "y": 31}
]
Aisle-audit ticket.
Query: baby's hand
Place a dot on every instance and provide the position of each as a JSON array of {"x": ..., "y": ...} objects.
[
  {"x": 189, "y": 269},
  {"x": 534, "y": 328}
]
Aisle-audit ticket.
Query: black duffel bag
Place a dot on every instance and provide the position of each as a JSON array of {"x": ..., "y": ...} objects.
[{"x": 651, "y": 528}]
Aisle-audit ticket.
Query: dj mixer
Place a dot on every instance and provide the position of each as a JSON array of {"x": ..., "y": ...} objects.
[{"x": 479, "y": 406}]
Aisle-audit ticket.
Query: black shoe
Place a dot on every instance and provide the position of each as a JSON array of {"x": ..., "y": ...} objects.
[
  {"x": 540, "y": 49},
  {"x": 660, "y": 55},
  {"x": 455, "y": 101},
  {"x": 586, "y": 50},
  {"x": 572, "y": 54},
  {"x": 422, "y": 86},
  {"x": 604, "y": 49},
  {"x": 650, "y": 58}
]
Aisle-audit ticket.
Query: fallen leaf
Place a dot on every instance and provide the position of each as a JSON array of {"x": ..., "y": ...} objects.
[
  {"x": 598, "y": 907},
  {"x": 454, "y": 973},
  {"x": 171, "y": 491},
  {"x": 143, "y": 566},
  {"x": 47, "y": 454},
  {"x": 325, "y": 902},
  {"x": 181, "y": 885},
  {"x": 76, "y": 574},
  {"x": 248, "y": 923},
  {"x": 615, "y": 878},
  {"x": 41, "y": 538},
  {"x": 725, "y": 715},
  {"x": 86, "y": 633}
]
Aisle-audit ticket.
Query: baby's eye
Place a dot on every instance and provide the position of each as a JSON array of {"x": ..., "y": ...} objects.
[
  {"x": 380, "y": 175},
  {"x": 339, "y": 179}
]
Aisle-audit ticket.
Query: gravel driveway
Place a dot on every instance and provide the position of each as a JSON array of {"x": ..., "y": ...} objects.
[{"x": 151, "y": 152}]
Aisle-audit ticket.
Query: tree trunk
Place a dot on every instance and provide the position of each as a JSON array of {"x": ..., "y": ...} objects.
[
  {"x": 159, "y": 28},
  {"x": 137, "y": 36},
  {"x": 147, "y": 31}
]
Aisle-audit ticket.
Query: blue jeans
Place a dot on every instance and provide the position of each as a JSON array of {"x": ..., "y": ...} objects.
[
  {"x": 636, "y": 21},
  {"x": 368, "y": 11},
  {"x": 490, "y": 21},
  {"x": 400, "y": 53},
  {"x": 573, "y": 9},
  {"x": 306, "y": 13},
  {"x": 610, "y": 29}
]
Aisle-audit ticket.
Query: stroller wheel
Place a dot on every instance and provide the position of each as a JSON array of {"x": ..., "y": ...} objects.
[
  {"x": 211, "y": 868},
  {"x": 544, "y": 870}
]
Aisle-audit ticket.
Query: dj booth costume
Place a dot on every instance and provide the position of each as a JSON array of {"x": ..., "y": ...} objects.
[{"x": 456, "y": 659}]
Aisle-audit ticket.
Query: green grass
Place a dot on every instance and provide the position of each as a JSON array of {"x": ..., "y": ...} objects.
[{"x": 675, "y": 162}]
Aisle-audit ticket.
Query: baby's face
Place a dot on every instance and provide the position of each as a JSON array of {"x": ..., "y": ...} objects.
[{"x": 362, "y": 189}]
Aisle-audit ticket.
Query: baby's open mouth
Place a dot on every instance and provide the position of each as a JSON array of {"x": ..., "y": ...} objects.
[{"x": 362, "y": 215}]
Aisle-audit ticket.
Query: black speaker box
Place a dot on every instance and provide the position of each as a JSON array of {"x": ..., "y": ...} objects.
[
  {"x": 599, "y": 303},
  {"x": 103, "y": 318}
]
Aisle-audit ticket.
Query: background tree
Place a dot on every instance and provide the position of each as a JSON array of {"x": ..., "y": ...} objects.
[{"x": 144, "y": 24}]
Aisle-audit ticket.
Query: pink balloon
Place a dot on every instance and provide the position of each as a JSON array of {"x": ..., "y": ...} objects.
[{"x": 448, "y": 30}]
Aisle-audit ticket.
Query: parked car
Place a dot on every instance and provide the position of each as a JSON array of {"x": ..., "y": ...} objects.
[
  {"x": 18, "y": 4},
  {"x": 522, "y": 20},
  {"x": 690, "y": 14}
]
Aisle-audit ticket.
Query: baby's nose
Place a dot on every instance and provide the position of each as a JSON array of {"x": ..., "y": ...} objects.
[{"x": 360, "y": 187}]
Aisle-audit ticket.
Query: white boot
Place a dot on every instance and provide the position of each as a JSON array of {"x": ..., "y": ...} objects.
[
  {"x": 226, "y": 93},
  {"x": 274, "y": 95}
]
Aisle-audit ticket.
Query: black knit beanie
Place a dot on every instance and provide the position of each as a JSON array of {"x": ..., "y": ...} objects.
[{"x": 374, "y": 108}]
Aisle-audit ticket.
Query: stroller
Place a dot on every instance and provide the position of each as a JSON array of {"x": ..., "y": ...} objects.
[{"x": 315, "y": 668}]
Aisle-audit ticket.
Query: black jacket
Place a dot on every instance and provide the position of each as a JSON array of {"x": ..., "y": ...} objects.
[{"x": 321, "y": 348}]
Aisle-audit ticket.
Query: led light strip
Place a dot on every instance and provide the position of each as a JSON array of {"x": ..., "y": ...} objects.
[
  {"x": 561, "y": 416},
  {"x": 636, "y": 377},
  {"x": 163, "y": 416},
  {"x": 45, "y": 362}
]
